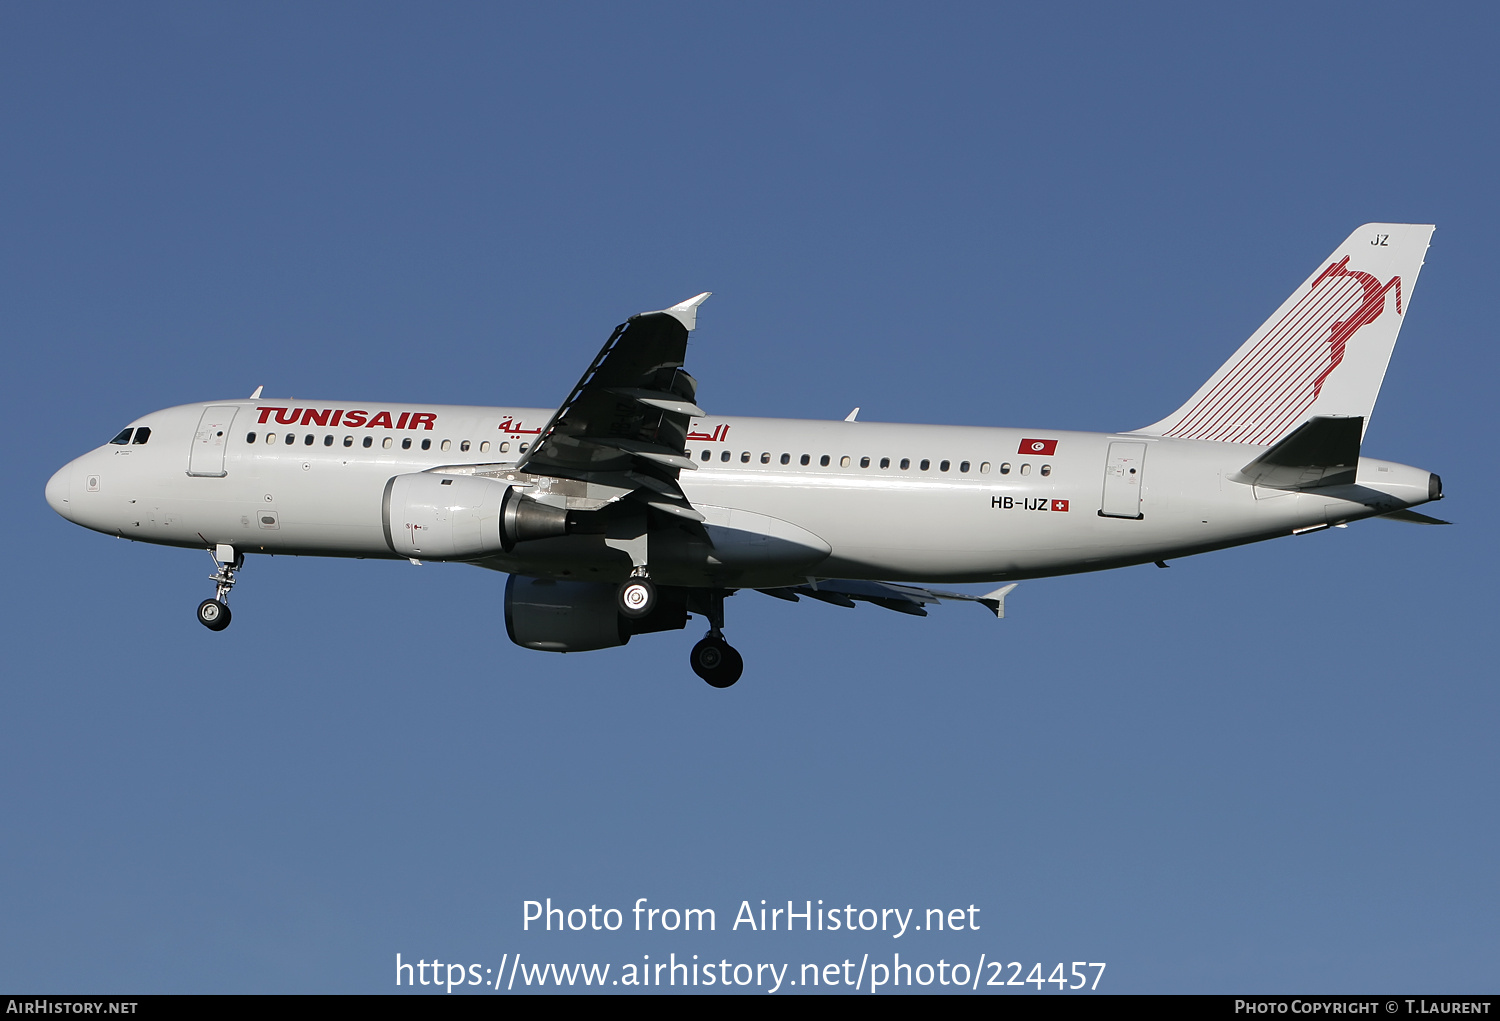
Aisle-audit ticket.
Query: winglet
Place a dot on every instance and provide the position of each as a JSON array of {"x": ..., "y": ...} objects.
[
  {"x": 996, "y": 600},
  {"x": 256, "y": 395},
  {"x": 686, "y": 312},
  {"x": 853, "y": 416}
]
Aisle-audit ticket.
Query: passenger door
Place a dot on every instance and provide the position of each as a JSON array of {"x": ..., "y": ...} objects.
[{"x": 207, "y": 457}]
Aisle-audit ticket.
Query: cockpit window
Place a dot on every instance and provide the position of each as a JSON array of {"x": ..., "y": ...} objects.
[
  {"x": 142, "y": 435},
  {"x": 123, "y": 438}
]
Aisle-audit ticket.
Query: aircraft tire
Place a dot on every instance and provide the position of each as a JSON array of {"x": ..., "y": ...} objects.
[
  {"x": 637, "y": 598},
  {"x": 213, "y": 615},
  {"x": 717, "y": 662}
]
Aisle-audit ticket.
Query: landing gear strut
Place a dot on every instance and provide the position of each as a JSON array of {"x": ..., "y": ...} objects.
[
  {"x": 214, "y": 613},
  {"x": 714, "y": 659}
]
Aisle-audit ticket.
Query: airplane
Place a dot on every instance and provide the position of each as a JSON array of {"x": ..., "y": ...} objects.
[{"x": 629, "y": 509}]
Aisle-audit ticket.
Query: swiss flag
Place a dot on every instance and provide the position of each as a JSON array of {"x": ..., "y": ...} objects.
[
  {"x": 1059, "y": 505},
  {"x": 1043, "y": 448}
]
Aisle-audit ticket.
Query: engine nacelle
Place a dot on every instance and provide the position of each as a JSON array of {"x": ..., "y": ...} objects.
[
  {"x": 578, "y": 616},
  {"x": 429, "y": 516}
]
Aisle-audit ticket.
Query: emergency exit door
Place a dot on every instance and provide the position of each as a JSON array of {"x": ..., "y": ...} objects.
[
  {"x": 1123, "y": 473},
  {"x": 207, "y": 458}
]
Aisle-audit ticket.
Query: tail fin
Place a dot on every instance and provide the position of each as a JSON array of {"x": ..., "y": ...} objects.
[{"x": 1323, "y": 353}]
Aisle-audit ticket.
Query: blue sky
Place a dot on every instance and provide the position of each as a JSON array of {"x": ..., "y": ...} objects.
[{"x": 1267, "y": 769}]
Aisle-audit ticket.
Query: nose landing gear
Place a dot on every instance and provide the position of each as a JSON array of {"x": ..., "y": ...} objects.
[{"x": 214, "y": 613}]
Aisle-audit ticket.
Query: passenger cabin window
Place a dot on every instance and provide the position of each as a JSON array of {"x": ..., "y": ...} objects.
[
  {"x": 1046, "y": 469},
  {"x": 426, "y": 444},
  {"x": 724, "y": 455},
  {"x": 708, "y": 455},
  {"x": 1025, "y": 469},
  {"x": 885, "y": 462},
  {"x": 925, "y": 464},
  {"x": 406, "y": 443},
  {"x": 984, "y": 468},
  {"x": 807, "y": 459},
  {"x": 485, "y": 446},
  {"x": 943, "y": 466},
  {"x": 291, "y": 438},
  {"x": 464, "y": 446},
  {"x": 844, "y": 461},
  {"x": 123, "y": 438},
  {"x": 141, "y": 436},
  {"x": 744, "y": 457},
  {"x": 765, "y": 457},
  {"x": 328, "y": 440},
  {"x": 308, "y": 440},
  {"x": 1005, "y": 468},
  {"x": 963, "y": 466},
  {"x": 348, "y": 441},
  {"x": 369, "y": 440},
  {"x": 864, "y": 462},
  {"x": 905, "y": 463},
  {"x": 385, "y": 444},
  {"x": 447, "y": 444},
  {"x": 249, "y": 437},
  {"x": 823, "y": 461},
  {"x": 786, "y": 458},
  {"x": 523, "y": 447},
  {"x": 504, "y": 446},
  {"x": 270, "y": 438}
]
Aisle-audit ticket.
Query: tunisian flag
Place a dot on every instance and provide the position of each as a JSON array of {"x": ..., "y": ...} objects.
[{"x": 1043, "y": 448}]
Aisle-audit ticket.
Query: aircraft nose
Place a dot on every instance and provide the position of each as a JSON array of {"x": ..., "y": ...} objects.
[{"x": 58, "y": 491}]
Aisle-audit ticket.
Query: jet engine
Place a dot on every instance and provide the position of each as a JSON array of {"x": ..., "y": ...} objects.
[
  {"x": 578, "y": 616},
  {"x": 430, "y": 516}
]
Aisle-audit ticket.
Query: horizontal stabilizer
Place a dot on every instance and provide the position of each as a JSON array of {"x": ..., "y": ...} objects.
[
  {"x": 1414, "y": 518},
  {"x": 901, "y": 598},
  {"x": 1322, "y": 451}
]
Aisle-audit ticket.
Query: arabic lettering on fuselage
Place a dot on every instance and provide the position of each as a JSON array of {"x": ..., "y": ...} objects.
[
  {"x": 510, "y": 427},
  {"x": 720, "y": 433}
]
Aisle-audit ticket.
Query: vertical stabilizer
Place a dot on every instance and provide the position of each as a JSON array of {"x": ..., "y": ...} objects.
[{"x": 1323, "y": 353}]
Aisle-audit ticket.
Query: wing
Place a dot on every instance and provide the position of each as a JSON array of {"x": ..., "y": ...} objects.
[
  {"x": 625, "y": 424},
  {"x": 901, "y": 598}
]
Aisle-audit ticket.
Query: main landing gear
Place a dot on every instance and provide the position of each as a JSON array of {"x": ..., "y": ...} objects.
[
  {"x": 714, "y": 659},
  {"x": 637, "y": 596},
  {"x": 214, "y": 613}
]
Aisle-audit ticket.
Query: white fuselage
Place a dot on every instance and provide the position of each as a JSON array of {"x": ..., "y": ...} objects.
[{"x": 892, "y": 502}]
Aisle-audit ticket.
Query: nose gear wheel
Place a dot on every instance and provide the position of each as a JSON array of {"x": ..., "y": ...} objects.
[{"x": 213, "y": 615}]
